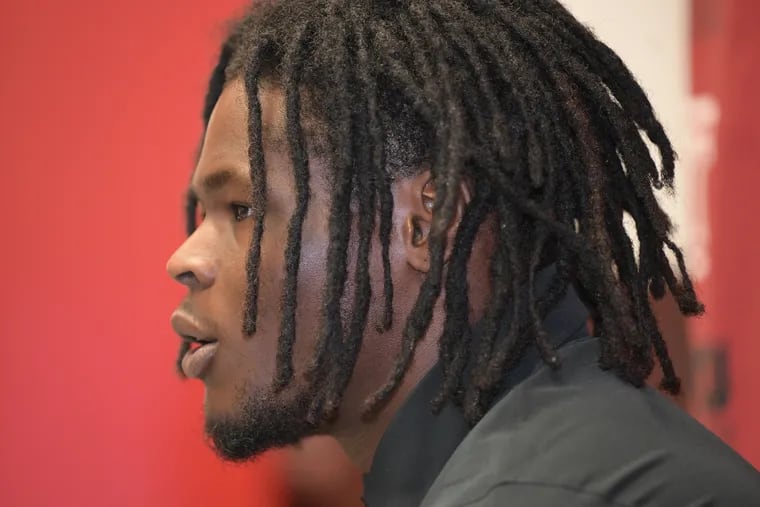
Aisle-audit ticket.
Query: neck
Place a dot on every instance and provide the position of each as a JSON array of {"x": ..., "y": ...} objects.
[
  {"x": 360, "y": 438},
  {"x": 360, "y": 444}
]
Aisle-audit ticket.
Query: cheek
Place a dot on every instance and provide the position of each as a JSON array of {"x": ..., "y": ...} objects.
[
  {"x": 249, "y": 359},
  {"x": 379, "y": 349},
  {"x": 226, "y": 296},
  {"x": 262, "y": 347},
  {"x": 312, "y": 278}
]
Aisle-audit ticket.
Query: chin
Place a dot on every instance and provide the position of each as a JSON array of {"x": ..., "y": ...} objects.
[{"x": 259, "y": 422}]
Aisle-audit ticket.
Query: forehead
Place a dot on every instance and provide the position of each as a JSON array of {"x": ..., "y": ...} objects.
[{"x": 225, "y": 143}]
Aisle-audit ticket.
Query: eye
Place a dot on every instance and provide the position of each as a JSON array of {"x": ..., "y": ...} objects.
[{"x": 241, "y": 211}]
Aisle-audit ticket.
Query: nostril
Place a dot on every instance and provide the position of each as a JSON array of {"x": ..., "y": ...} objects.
[
  {"x": 187, "y": 278},
  {"x": 194, "y": 271}
]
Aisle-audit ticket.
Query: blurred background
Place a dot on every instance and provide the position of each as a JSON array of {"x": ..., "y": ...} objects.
[{"x": 100, "y": 107}]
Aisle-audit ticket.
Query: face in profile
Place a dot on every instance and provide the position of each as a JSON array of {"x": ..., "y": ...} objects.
[{"x": 244, "y": 413}]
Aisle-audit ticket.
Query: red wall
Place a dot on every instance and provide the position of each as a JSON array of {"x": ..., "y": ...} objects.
[
  {"x": 100, "y": 110},
  {"x": 726, "y": 72}
]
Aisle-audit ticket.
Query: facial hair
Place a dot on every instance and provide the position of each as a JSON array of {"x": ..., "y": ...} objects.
[{"x": 265, "y": 420}]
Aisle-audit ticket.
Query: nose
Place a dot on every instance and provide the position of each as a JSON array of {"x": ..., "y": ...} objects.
[{"x": 191, "y": 266}]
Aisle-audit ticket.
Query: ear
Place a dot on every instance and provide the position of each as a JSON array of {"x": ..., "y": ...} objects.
[{"x": 416, "y": 197}]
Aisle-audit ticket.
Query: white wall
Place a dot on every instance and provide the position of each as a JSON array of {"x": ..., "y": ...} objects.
[{"x": 653, "y": 38}]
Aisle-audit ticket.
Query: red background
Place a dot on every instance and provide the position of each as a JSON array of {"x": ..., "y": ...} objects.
[
  {"x": 100, "y": 107},
  {"x": 100, "y": 117},
  {"x": 725, "y": 67}
]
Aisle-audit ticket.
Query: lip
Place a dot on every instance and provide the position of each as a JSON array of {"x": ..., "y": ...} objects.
[
  {"x": 195, "y": 361},
  {"x": 187, "y": 327}
]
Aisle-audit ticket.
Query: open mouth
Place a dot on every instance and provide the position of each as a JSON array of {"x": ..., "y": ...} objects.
[
  {"x": 196, "y": 343},
  {"x": 198, "y": 356}
]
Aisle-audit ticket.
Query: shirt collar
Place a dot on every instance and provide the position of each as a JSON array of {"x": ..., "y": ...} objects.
[{"x": 417, "y": 444}]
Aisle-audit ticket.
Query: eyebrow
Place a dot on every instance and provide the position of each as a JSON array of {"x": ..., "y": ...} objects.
[{"x": 217, "y": 181}]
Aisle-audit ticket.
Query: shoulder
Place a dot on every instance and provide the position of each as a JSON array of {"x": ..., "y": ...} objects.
[
  {"x": 582, "y": 435},
  {"x": 527, "y": 494}
]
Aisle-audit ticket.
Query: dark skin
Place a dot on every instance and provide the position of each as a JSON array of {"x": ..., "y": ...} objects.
[{"x": 211, "y": 264}]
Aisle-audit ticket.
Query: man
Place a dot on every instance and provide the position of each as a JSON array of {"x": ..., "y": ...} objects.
[{"x": 406, "y": 202}]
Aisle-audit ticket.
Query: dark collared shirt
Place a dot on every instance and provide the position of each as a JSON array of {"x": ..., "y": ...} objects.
[{"x": 576, "y": 436}]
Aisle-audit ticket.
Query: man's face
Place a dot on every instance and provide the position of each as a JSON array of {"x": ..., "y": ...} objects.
[{"x": 244, "y": 415}]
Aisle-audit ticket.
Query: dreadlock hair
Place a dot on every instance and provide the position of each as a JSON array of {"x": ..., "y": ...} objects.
[{"x": 518, "y": 99}]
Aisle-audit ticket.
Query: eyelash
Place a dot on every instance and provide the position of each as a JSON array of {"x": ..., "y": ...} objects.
[
  {"x": 239, "y": 212},
  {"x": 236, "y": 208}
]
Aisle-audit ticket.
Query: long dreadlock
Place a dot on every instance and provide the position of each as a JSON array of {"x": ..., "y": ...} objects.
[{"x": 518, "y": 99}]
